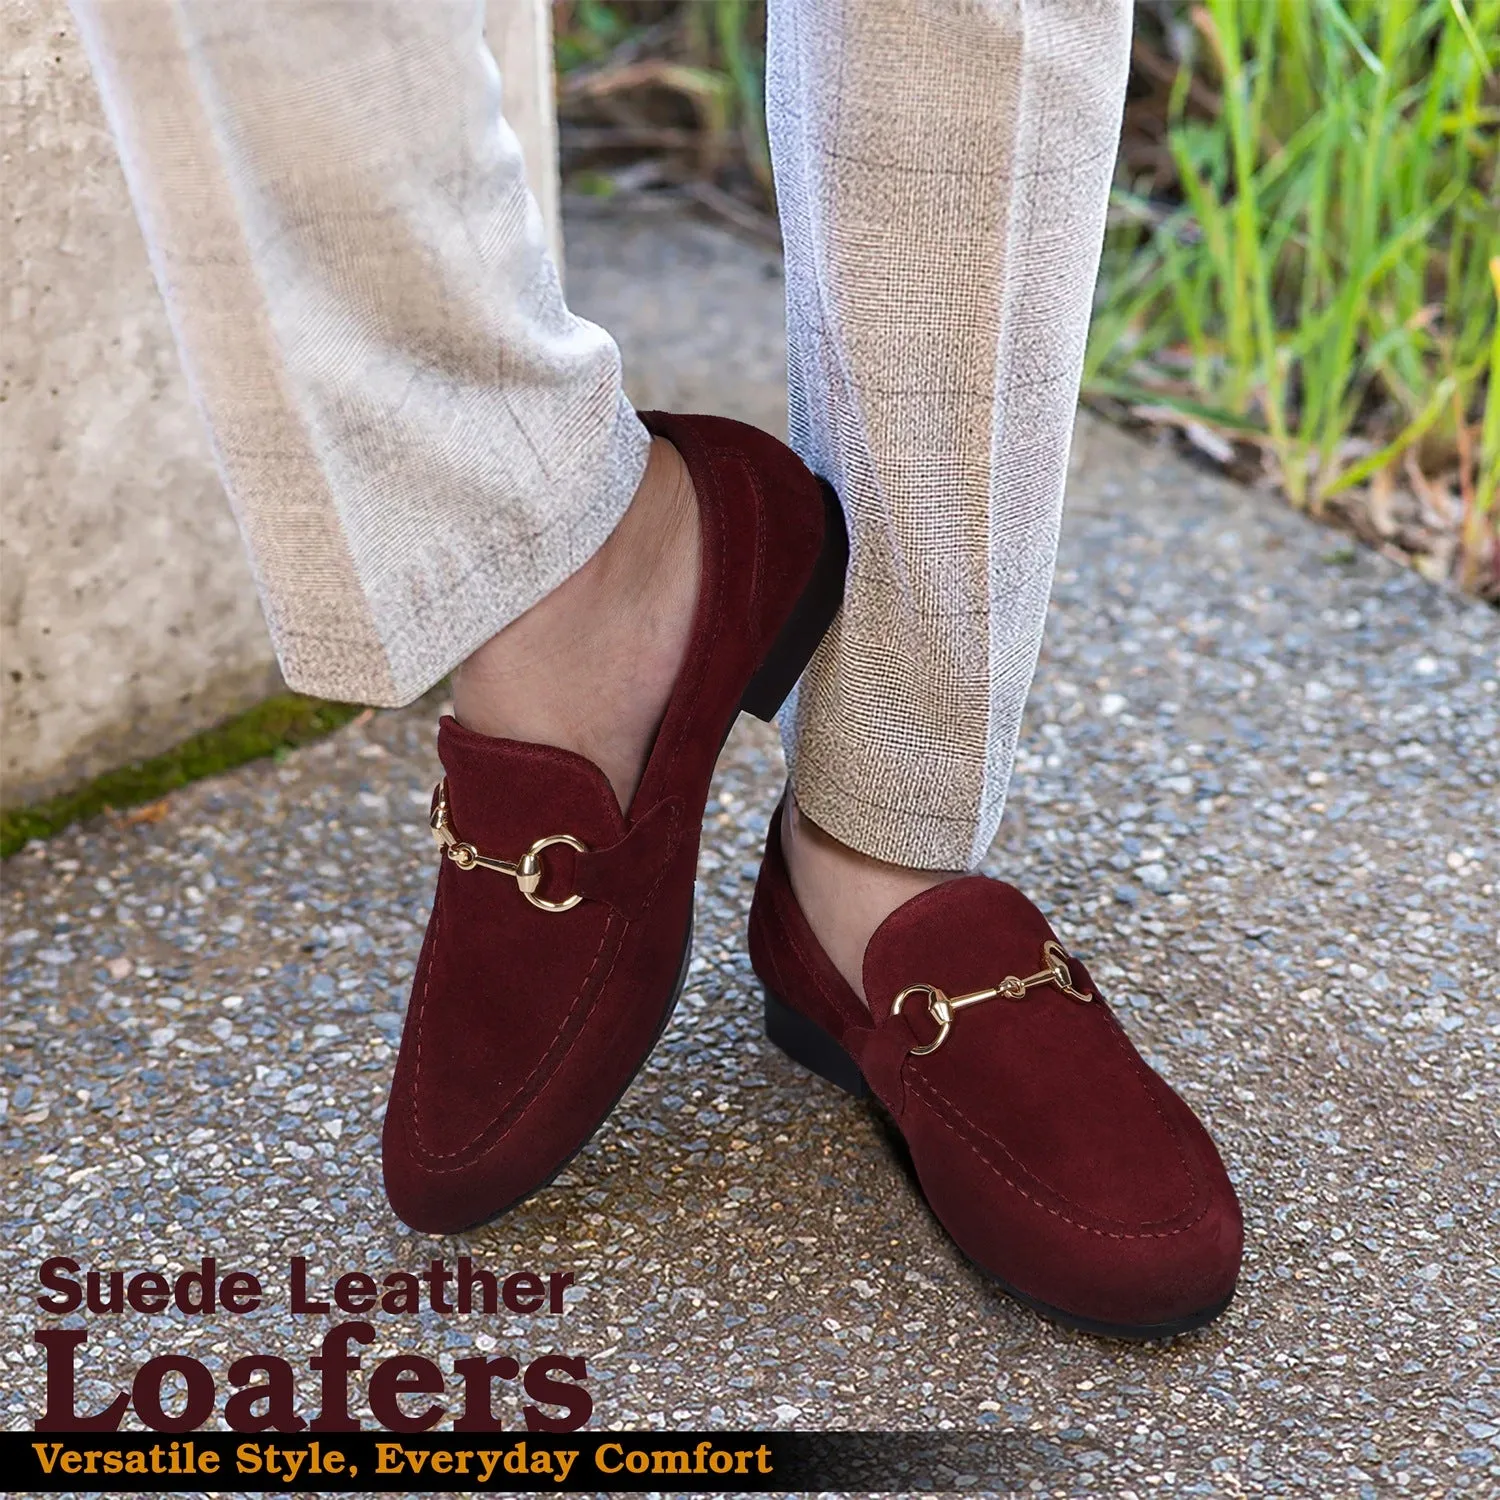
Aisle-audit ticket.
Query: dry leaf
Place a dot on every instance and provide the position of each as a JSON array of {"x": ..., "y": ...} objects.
[
  {"x": 1382, "y": 495},
  {"x": 1218, "y": 448},
  {"x": 1433, "y": 500},
  {"x": 149, "y": 812}
]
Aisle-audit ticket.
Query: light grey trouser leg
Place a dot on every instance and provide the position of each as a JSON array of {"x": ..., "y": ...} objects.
[
  {"x": 419, "y": 440},
  {"x": 942, "y": 169}
]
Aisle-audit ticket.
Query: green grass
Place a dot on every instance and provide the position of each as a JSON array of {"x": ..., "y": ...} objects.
[
  {"x": 278, "y": 724},
  {"x": 1327, "y": 287}
]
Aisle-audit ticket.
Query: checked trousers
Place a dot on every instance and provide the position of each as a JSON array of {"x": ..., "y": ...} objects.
[{"x": 419, "y": 439}]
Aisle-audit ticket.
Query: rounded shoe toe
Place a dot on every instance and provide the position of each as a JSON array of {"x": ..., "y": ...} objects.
[{"x": 1129, "y": 1271}]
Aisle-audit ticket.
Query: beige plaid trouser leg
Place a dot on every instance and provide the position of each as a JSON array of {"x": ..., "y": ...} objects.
[{"x": 420, "y": 440}]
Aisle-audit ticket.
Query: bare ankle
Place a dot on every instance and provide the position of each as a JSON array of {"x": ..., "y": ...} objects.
[
  {"x": 590, "y": 667},
  {"x": 660, "y": 525},
  {"x": 844, "y": 894}
]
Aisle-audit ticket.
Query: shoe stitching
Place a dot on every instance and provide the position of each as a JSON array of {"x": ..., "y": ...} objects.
[
  {"x": 758, "y": 578},
  {"x": 924, "y": 1086},
  {"x": 963, "y": 1129},
  {"x": 812, "y": 972},
  {"x": 519, "y": 1108},
  {"x": 1143, "y": 1076},
  {"x": 782, "y": 894},
  {"x": 519, "y": 1100},
  {"x": 672, "y": 839},
  {"x": 760, "y": 905},
  {"x": 563, "y": 1055}
]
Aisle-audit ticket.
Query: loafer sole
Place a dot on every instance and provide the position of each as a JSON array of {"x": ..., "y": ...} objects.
[{"x": 1135, "y": 1333}]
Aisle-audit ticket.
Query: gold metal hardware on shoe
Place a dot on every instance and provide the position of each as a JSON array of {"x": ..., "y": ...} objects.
[
  {"x": 942, "y": 1007},
  {"x": 526, "y": 871}
]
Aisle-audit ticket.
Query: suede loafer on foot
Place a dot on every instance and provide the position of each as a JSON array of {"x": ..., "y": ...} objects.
[
  {"x": 1058, "y": 1161},
  {"x": 560, "y": 929}
]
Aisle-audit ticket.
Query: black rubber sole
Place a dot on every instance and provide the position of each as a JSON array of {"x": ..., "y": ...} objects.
[
  {"x": 806, "y": 1042},
  {"x": 808, "y": 1045},
  {"x": 809, "y": 620},
  {"x": 1133, "y": 1333}
]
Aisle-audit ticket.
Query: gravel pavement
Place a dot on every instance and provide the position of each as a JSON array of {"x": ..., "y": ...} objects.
[{"x": 1257, "y": 790}]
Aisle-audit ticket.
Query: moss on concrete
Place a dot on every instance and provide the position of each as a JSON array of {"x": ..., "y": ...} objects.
[{"x": 280, "y": 723}]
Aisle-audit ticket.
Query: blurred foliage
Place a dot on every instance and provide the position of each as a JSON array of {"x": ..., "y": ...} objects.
[
  {"x": 1302, "y": 271},
  {"x": 670, "y": 92},
  {"x": 1305, "y": 257}
]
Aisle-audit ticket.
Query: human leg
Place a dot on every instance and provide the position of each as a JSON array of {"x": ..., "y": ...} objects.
[
  {"x": 419, "y": 439},
  {"x": 943, "y": 169},
  {"x": 435, "y": 467}
]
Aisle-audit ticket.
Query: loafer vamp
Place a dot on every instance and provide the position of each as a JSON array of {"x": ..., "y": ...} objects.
[
  {"x": 1052, "y": 1153},
  {"x": 1044, "y": 1089},
  {"x": 527, "y": 1022},
  {"x": 505, "y": 992}
]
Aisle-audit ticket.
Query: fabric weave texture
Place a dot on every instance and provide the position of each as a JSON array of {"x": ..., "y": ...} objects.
[{"x": 420, "y": 439}]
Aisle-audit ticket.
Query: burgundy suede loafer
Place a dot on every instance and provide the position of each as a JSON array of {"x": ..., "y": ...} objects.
[
  {"x": 560, "y": 930},
  {"x": 1059, "y": 1162}
]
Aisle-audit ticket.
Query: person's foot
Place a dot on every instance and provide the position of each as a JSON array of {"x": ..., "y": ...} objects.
[
  {"x": 1059, "y": 1162},
  {"x": 845, "y": 895},
  {"x": 590, "y": 668},
  {"x": 570, "y": 811}
]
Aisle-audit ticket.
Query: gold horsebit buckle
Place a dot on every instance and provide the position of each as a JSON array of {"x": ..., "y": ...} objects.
[
  {"x": 941, "y": 1007},
  {"x": 526, "y": 871}
]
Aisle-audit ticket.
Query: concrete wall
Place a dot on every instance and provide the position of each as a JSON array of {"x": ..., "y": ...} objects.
[{"x": 127, "y": 616}]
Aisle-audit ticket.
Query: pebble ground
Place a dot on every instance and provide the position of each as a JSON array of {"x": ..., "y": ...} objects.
[{"x": 1257, "y": 790}]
